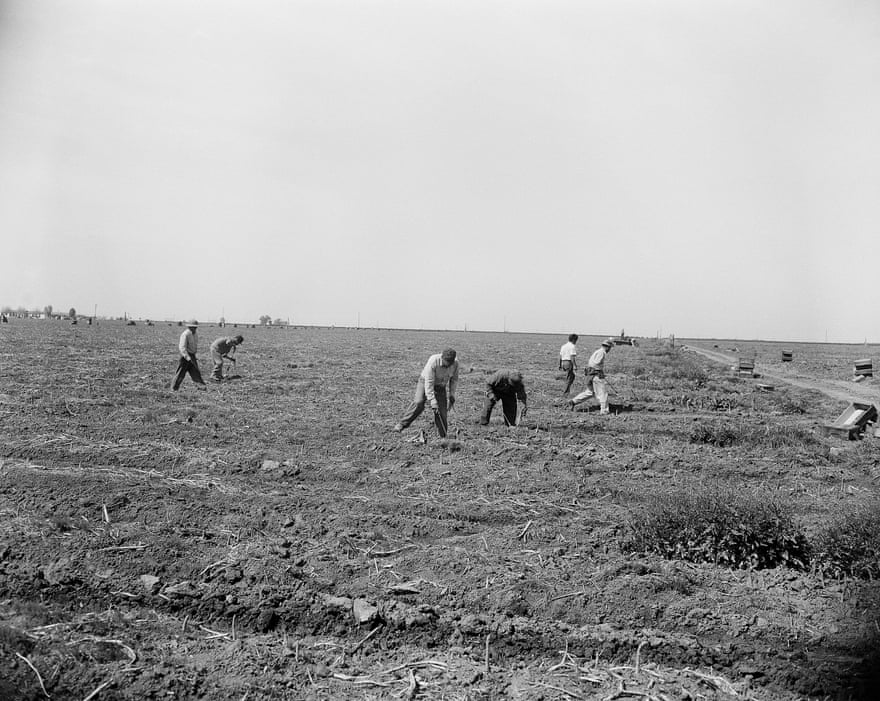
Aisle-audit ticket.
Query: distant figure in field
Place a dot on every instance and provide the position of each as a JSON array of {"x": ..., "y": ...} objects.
[
  {"x": 188, "y": 345},
  {"x": 595, "y": 373},
  {"x": 223, "y": 348},
  {"x": 568, "y": 361},
  {"x": 439, "y": 377},
  {"x": 505, "y": 386}
]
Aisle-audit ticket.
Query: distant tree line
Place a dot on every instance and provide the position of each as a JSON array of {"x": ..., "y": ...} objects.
[
  {"x": 266, "y": 320},
  {"x": 48, "y": 311}
]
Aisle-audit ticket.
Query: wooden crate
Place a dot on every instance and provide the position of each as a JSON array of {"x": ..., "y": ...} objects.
[
  {"x": 745, "y": 366},
  {"x": 865, "y": 368},
  {"x": 851, "y": 424}
]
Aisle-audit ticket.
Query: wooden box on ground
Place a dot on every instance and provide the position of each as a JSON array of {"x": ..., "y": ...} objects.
[
  {"x": 851, "y": 424},
  {"x": 745, "y": 366},
  {"x": 865, "y": 368}
]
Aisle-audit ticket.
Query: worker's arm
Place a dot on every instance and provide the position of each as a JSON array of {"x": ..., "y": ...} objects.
[
  {"x": 182, "y": 346},
  {"x": 430, "y": 377},
  {"x": 453, "y": 381}
]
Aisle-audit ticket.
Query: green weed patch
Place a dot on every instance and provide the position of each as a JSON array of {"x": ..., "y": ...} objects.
[{"x": 717, "y": 524}]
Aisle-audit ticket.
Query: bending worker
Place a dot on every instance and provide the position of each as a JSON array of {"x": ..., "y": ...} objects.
[
  {"x": 223, "y": 348},
  {"x": 595, "y": 373},
  {"x": 439, "y": 377},
  {"x": 505, "y": 386}
]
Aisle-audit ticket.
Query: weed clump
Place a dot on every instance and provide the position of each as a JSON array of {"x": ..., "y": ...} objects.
[
  {"x": 723, "y": 434},
  {"x": 720, "y": 525},
  {"x": 850, "y": 545},
  {"x": 719, "y": 435}
]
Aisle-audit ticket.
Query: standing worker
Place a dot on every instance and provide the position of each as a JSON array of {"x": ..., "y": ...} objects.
[
  {"x": 506, "y": 386},
  {"x": 568, "y": 361},
  {"x": 439, "y": 377},
  {"x": 595, "y": 373},
  {"x": 223, "y": 348},
  {"x": 188, "y": 346}
]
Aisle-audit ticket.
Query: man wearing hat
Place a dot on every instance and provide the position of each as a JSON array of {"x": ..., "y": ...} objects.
[
  {"x": 595, "y": 373},
  {"x": 505, "y": 386},
  {"x": 439, "y": 377},
  {"x": 188, "y": 363},
  {"x": 223, "y": 348}
]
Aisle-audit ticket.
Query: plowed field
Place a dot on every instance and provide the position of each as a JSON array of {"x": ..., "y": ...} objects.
[{"x": 270, "y": 537}]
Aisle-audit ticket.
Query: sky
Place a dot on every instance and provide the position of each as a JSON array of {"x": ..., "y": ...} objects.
[{"x": 703, "y": 168}]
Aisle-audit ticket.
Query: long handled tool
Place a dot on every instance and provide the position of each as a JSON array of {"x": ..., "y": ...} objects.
[
  {"x": 440, "y": 420},
  {"x": 618, "y": 393}
]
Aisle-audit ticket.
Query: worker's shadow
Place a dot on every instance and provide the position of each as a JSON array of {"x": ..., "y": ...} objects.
[
  {"x": 613, "y": 408},
  {"x": 231, "y": 377}
]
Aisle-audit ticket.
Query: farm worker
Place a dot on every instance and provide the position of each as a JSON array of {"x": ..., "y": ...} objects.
[
  {"x": 506, "y": 386},
  {"x": 568, "y": 361},
  {"x": 595, "y": 373},
  {"x": 223, "y": 348},
  {"x": 188, "y": 345},
  {"x": 439, "y": 377}
]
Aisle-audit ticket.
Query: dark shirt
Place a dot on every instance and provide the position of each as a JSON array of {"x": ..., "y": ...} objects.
[{"x": 504, "y": 382}]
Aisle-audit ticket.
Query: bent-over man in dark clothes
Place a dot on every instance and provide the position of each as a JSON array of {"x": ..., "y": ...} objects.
[
  {"x": 223, "y": 348},
  {"x": 505, "y": 386}
]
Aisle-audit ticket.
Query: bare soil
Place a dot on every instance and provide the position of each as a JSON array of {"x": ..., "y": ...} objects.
[{"x": 270, "y": 537}]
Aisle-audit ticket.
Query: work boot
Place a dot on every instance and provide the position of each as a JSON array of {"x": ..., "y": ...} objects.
[{"x": 603, "y": 411}]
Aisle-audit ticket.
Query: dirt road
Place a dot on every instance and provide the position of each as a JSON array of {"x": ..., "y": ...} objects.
[{"x": 866, "y": 392}]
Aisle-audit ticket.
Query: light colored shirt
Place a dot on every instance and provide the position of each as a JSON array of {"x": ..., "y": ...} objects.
[
  {"x": 189, "y": 343},
  {"x": 435, "y": 373},
  {"x": 568, "y": 351},
  {"x": 597, "y": 361}
]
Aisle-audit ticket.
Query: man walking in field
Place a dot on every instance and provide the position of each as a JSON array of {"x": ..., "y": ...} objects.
[
  {"x": 188, "y": 345},
  {"x": 223, "y": 348},
  {"x": 596, "y": 384},
  {"x": 568, "y": 361},
  {"x": 438, "y": 380},
  {"x": 505, "y": 386}
]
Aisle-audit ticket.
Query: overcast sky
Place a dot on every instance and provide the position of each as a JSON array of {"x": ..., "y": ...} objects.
[{"x": 707, "y": 168}]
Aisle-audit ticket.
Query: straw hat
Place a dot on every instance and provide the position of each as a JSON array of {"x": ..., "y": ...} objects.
[{"x": 192, "y": 324}]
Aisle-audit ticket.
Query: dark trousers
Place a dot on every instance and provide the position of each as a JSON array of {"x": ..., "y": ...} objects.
[
  {"x": 187, "y": 366},
  {"x": 508, "y": 408},
  {"x": 418, "y": 406},
  {"x": 568, "y": 367}
]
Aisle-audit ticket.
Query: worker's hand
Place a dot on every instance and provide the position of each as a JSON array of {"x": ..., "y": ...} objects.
[
  {"x": 451, "y": 402},
  {"x": 491, "y": 396},
  {"x": 434, "y": 405},
  {"x": 525, "y": 410}
]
